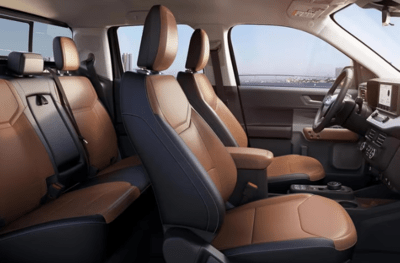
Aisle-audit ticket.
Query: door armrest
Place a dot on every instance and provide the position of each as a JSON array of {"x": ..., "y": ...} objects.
[{"x": 250, "y": 158}]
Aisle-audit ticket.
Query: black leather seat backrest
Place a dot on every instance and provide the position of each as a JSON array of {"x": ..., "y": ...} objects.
[
  {"x": 191, "y": 172},
  {"x": 202, "y": 96}
]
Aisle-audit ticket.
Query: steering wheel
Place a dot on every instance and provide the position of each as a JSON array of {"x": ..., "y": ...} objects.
[{"x": 332, "y": 102}]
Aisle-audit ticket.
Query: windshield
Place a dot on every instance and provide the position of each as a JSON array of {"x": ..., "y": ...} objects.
[{"x": 366, "y": 25}]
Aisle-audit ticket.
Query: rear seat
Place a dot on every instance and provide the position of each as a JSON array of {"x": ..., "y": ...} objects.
[
  {"x": 94, "y": 121},
  {"x": 37, "y": 143}
]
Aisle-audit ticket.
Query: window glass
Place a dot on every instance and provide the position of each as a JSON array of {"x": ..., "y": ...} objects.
[
  {"x": 129, "y": 38},
  {"x": 14, "y": 36},
  {"x": 366, "y": 25},
  {"x": 43, "y": 35},
  {"x": 284, "y": 57}
]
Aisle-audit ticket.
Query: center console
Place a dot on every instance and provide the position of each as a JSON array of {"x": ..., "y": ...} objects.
[
  {"x": 334, "y": 190},
  {"x": 380, "y": 147}
]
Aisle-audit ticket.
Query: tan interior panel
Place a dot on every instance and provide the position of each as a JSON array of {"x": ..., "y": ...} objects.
[{"x": 330, "y": 134}]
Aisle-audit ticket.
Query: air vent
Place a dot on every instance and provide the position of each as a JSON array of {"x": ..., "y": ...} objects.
[
  {"x": 380, "y": 140},
  {"x": 371, "y": 134}
]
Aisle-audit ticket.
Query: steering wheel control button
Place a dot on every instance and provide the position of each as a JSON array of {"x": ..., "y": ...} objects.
[
  {"x": 372, "y": 153},
  {"x": 363, "y": 146},
  {"x": 334, "y": 186}
]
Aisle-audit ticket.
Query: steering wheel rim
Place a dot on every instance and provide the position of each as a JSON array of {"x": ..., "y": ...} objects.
[{"x": 332, "y": 102}]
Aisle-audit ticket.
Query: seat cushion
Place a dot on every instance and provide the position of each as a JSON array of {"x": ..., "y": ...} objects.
[
  {"x": 123, "y": 164},
  {"x": 108, "y": 200},
  {"x": 127, "y": 170},
  {"x": 287, "y": 218},
  {"x": 292, "y": 167}
]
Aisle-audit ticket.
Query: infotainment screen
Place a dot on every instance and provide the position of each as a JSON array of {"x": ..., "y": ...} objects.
[{"x": 385, "y": 95}]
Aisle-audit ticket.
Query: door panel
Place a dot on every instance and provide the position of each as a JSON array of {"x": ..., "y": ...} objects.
[
  {"x": 269, "y": 110},
  {"x": 276, "y": 118}
]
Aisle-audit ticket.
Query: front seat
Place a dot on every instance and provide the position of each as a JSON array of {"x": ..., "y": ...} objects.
[
  {"x": 193, "y": 176},
  {"x": 284, "y": 170}
]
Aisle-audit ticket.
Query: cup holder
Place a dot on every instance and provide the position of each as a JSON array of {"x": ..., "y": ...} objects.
[{"x": 348, "y": 204}]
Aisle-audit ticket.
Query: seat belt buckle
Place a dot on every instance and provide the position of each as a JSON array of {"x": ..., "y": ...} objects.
[
  {"x": 250, "y": 193},
  {"x": 55, "y": 190},
  {"x": 83, "y": 140}
]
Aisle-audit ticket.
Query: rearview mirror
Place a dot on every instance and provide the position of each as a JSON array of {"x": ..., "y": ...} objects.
[{"x": 385, "y": 16}]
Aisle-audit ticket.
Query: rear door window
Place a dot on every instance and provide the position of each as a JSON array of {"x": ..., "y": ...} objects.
[
  {"x": 43, "y": 35},
  {"x": 14, "y": 36}
]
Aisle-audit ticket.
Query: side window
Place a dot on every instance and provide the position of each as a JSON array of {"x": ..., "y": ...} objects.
[
  {"x": 43, "y": 35},
  {"x": 14, "y": 36},
  {"x": 284, "y": 57},
  {"x": 129, "y": 38}
]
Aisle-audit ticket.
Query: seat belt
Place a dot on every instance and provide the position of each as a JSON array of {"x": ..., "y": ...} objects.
[
  {"x": 219, "y": 85},
  {"x": 94, "y": 78},
  {"x": 67, "y": 107}
]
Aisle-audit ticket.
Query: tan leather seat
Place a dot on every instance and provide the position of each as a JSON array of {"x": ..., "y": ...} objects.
[
  {"x": 93, "y": 120},
  {"x": 193, "y": 175},
  {"x": 285, "y": 170},
  {"x": 289, "y": 217},
  {"x": 72, "y": 228}
]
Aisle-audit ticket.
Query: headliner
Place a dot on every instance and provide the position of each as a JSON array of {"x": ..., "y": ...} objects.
[{"x": 106, "y": 13}]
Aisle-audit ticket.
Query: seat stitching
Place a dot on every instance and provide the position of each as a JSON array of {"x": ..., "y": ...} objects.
[
  {"x": 205, "y": 146},
  {"x": 254, "y": 223},
  {"x": 298, "y": 212},
  {"x": 161, "y": 110}
]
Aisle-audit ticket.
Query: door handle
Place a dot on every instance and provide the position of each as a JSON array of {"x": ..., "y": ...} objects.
[{"x": 310, "y": 102}]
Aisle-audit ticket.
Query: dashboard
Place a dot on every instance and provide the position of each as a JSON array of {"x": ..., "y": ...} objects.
[{"x": 381, "y": 145}]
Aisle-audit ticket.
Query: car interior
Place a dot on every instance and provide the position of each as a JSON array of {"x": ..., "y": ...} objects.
[{"x": 200, "y": 131}]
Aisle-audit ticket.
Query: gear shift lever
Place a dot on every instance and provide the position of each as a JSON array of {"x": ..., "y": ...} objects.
[{"x": 334, "y": 186}]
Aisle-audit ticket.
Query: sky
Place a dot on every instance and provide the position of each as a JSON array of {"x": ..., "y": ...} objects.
[
  {"x": 259, "y": 49},
  {"x": 366, "y": 25},
  {"x": 15, "y": 37},
  {"x": 251, "y": 44}
]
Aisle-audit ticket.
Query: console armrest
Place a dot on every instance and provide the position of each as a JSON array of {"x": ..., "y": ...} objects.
[{"x": 250, "y": 158}]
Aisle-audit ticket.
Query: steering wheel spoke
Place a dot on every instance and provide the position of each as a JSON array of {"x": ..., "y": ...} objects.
[{"x": 332, "y": 103}]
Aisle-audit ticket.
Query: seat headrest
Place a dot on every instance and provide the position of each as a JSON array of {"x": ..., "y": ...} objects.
[
  {"x": 65, "y": 54},
  {"x": 25, "y": 63},
  {"x": 199, "y": 51},
  {"x": 159, "y": 40}
]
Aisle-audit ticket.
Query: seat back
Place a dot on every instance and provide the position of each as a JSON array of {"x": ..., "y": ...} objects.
[
  {"x": 202, "y": 97},
  {"x": 24, "y": 162},
  {"x": 191, "y": 172},
  {"x": 92, "y": 118}
]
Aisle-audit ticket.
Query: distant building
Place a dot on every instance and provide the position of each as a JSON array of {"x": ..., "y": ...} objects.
[
  {"x": 127, "y": 61},
  {"x": 338, "y": 71}
]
